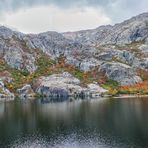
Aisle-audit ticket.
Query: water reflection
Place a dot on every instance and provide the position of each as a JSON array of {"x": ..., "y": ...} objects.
[{"x": 90, "y": 123}]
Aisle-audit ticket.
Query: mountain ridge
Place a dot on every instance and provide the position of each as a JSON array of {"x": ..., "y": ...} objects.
[
  {"x": 116, "y": 53},
  {"x": 107, "y": 30}
]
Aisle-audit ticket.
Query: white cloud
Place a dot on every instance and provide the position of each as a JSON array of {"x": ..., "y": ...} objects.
[
  {"x": 46, "y": 18},
  {"x": 116, "y": 10}
]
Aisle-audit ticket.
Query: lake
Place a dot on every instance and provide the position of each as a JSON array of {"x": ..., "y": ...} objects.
[{"x": 97, "y": 123}]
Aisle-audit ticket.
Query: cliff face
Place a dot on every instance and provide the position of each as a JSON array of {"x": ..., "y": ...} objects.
[{"x": 117, "y": 52}]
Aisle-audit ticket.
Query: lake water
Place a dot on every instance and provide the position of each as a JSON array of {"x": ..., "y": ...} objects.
[{"x": 100, "y": 123}]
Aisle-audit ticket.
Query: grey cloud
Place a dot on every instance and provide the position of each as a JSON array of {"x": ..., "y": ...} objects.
[
  {"x": 116, "y": 9},
  {"x": 14, "y": 4}
]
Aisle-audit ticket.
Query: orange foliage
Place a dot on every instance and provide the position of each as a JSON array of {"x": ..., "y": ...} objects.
[
  {"x": 140, "y": 88},
  {"x": 143, "y": 74},
  {"x": 62, "y": 61}
]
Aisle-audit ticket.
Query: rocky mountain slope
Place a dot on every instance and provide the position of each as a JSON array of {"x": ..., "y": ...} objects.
[
  {"x": 134, "y": 29},
  {"x": 103, "y": 56}
]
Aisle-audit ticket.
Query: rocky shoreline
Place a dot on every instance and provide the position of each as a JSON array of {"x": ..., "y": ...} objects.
[
  {"x": 128, "y": 96},
  {"x": 59, "y": 87}
]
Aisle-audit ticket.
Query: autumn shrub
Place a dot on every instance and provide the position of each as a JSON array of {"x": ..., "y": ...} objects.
[
  {"x": 3, "y": 65},
  {"x": 143, "y": 74},
  {"x": 25, "y": 72},
  {"x": 139, "y": 88},
  {"x": 111, "y": 84}
]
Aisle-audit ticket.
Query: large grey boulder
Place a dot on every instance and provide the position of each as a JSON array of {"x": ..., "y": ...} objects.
[
  {"x": 121, "y": 73},
  {"x": 5, "y": 94},
  {"x": 63, "y": 86},
  {"x": 59, "y": 86}
]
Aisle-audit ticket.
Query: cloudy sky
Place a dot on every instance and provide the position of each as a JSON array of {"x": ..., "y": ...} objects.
[{"x": 34, "y": 16}]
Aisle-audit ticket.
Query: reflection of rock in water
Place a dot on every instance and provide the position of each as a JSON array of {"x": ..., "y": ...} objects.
[
  {"x": 87, "y": 123},
  {"x": 57, "y": 94},
  {"x": 53, "y": 99},
  {"x": 2, "y": 109}
]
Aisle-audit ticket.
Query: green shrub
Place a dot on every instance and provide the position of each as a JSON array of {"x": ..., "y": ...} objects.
[{"x": 111, "y": 84}]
